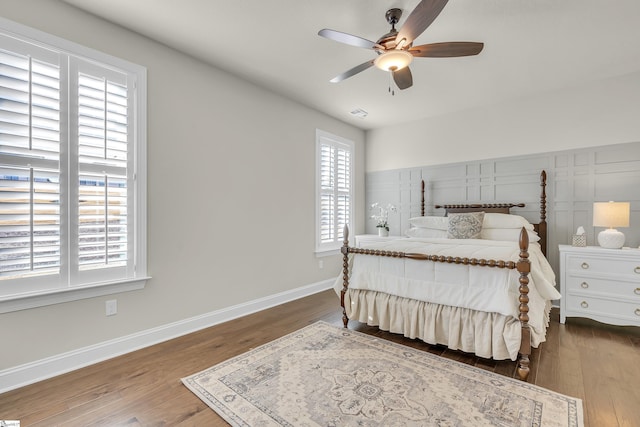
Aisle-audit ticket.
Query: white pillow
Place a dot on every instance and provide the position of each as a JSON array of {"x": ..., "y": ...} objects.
[
  {"x": 465, "y": 225},
  {"x": 426, "y": 232},
  {"x": 433, "y": 222},
  {"x": 507, "y": 234},
  {"x": 500, "y": 220}
]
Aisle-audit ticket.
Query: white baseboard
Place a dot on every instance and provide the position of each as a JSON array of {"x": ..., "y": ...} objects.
[{"x": 49, "y": 367}]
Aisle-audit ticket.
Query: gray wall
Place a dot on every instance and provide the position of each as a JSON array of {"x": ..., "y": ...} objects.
[{"x": 575, "y": 180}]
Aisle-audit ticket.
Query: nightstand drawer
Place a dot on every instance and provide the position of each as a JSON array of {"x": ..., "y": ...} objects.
[
  {"x": 585, "y": 285},
  {"x": 593, "y": 307},
  {"x": 600, "y": 265}
]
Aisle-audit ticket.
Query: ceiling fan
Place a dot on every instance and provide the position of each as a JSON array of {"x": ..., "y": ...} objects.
[{"x": 395, "y": 49}]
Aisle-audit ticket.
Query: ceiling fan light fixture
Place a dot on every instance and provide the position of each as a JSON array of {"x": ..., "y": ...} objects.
[{"x": 394, "y": 59}]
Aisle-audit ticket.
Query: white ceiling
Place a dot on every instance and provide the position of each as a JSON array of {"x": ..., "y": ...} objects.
[{"x": 530, "y": 46}]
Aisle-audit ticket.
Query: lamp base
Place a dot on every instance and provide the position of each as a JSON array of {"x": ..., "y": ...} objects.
[{"x": 611, "y": 238}]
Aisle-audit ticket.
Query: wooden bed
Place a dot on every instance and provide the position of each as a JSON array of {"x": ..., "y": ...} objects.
[{"x": 522, "y": 265}]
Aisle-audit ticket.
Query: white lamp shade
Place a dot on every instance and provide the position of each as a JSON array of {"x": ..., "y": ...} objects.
[{"x": 611, "y": 214}]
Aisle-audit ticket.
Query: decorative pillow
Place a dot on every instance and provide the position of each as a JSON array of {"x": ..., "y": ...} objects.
[
  {"x": 500, "y": 220},
  {"x": 426, "y": 232},
  {"x": 433, "y": 222},
  {"x": 465, "y": 225},
  {"x": 507, "y": 234}
]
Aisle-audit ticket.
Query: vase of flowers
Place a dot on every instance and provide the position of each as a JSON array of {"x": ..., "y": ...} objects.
[{"x": 381, "y": 217}]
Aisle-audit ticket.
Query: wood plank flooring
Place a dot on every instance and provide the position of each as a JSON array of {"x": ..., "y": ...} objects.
[{"x": 597, "y": 363}]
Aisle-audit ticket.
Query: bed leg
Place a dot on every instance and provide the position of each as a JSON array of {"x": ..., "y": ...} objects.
[
  {"x": 345, "y": 274},
  {"x": 524, "y": 268},
  {"x": 525, "y": 350},
  {"x": 345, "y": 319},
  {"x": 523, "y": 368}
]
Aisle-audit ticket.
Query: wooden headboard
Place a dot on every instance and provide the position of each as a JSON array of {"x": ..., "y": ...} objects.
[
  {"x": 485, "y": 207},
  {"x": 540, "y": 227}
]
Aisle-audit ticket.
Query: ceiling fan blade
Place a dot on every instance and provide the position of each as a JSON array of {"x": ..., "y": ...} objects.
[
  {"x": 346, "y": 38},
  {"x": 420, "y": 18},
  {"x": 447, "y": 49},
  {"x": 403, "y": 78},
  {"x": 355, "y": 70}
]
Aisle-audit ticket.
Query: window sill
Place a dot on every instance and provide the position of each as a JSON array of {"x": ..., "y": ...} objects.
[{"x": 41, "y": 299}]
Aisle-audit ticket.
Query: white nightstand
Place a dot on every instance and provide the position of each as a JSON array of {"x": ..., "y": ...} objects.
[
  {"x": 600, "y": 284},
  {"x": 367, "y": 239}
]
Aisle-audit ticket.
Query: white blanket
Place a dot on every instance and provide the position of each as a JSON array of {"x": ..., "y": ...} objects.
[{"x": 485, "y": 289}]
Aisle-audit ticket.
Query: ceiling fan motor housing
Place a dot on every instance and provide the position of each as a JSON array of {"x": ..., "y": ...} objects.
[
  {"x": 393, "y": 16},
  {"x": 388, "y": 41}
]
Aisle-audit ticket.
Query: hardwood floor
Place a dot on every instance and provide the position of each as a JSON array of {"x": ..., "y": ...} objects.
[{"x": 598, "y": 363}]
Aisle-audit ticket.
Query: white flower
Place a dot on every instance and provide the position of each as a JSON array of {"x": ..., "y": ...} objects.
[{"x": 382, "y": 216}]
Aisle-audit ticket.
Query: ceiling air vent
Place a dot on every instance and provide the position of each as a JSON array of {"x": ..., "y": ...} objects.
[{"x": 359, "y": 112}]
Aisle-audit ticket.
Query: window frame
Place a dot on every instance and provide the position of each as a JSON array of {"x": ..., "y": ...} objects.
[
  {"x": 326, "y": 138},
  {"x": 14, "y": 301}
]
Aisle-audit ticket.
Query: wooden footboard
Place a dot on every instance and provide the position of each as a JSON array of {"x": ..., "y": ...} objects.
[{"x": 523, "y": 266}]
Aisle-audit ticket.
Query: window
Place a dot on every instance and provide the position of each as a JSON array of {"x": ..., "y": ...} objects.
[
  {"x": 72, "y": 171},
  {"x": 334, "y": 192}
]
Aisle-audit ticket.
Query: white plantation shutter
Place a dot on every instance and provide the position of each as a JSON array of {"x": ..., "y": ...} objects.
[
  {"x": 29, "y": 163},
  {"x": 30, "y": 222},
  {"x": 102, "y": 172},
  {"x": 343, "y": 190},
  {"x": 327, "y": 197},
  {"x": 334, "y": 168},
  {"x": 71, "y": 204}
]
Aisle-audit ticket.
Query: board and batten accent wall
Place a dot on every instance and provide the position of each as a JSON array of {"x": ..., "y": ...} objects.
[{"x": 575, "y": 180}]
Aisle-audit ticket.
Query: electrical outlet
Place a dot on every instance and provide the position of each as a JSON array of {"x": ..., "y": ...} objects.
[
  {"x": 320, "y": 264},
  {"x": 111, "y": 307}
]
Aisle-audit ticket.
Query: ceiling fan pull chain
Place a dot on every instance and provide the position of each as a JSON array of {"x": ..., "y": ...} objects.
[{"x": 392, "y": 92}]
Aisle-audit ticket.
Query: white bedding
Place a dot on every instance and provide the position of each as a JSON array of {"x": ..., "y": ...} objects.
[{"x": 486, "y": 289}]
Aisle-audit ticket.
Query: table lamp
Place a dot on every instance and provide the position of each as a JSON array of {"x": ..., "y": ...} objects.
[{"x": 611, "y": 214}]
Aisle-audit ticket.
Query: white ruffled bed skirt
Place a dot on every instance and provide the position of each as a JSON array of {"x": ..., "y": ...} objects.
[{"x": 488, "y": 335}]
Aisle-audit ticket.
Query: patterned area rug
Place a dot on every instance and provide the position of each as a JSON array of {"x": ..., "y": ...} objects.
[{"x": 324, "y": 375}]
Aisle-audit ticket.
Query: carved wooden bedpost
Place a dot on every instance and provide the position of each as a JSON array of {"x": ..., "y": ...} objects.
[
  {"x": 422, "y": 202},
  {"x": 524, "y": 267},
  {"x": 542, "y": 226},
  {"x": 345, "y": 273}
]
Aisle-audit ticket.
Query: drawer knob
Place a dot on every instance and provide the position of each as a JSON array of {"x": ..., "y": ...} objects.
[
  {"x": 585, "y": 304},
  {"x": 636, "y": 291},
  {"x": 585, "y": 265},
  {"x": 637, "y": 270},
  {"x": 637, "y": 312},
  {"x": 585, "y": 285}
]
